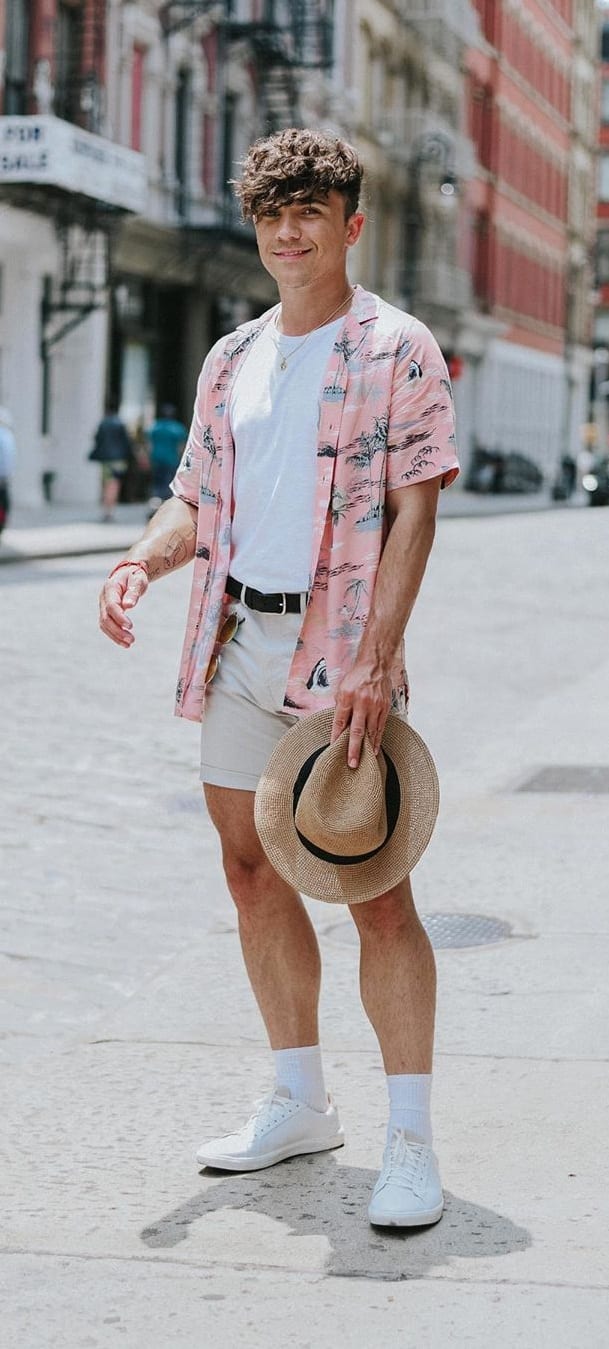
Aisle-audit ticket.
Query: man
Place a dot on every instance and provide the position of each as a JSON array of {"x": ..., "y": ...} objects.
[
  {"x": 321, "y": 436},
  {"x": 112, "y": 449},
  {"x": 8, "y": 454},
  {"x": 166, "y": 439}
]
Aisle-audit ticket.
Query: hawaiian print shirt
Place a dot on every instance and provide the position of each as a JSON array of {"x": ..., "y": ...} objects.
[{"x": 385, "y": 420}]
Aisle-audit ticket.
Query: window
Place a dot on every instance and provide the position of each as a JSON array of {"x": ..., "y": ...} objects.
[
  {"x": 605, "y": 42},
  {"x": 602, "y": 258},
  {"x": 137, "y": 94},
  {"x": 182, "y": 131},
  {"x": 17, "y": 42},
  {"x": 605, "y": 100},
  {"x": 481, "y": 267},
  {"x": 603, "y": 177},
  {"x": 69, "y": 37}
]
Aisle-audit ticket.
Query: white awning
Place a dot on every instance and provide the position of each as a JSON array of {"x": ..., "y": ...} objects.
[{"x": 53, "y": 153}]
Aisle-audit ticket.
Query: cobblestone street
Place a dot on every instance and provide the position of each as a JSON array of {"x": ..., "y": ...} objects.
[{"x": 129, "y": 1032}]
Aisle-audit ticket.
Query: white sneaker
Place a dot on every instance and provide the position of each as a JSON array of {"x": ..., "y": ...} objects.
[
  {"x": 408, "y": 1192},
  {"x": 280, "y": 1127}
]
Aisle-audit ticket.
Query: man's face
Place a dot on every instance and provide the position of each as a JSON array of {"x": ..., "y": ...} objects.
[{"x": 305, "y": 242}]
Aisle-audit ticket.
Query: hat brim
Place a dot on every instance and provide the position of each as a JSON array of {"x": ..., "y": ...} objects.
[{"x": 352, "y": 883}]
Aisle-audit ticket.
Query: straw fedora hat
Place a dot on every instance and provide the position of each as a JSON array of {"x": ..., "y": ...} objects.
[{"x": 344, "y": 834}]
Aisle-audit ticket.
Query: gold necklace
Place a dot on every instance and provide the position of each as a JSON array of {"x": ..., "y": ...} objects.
[{"x": 285, "y": 358}]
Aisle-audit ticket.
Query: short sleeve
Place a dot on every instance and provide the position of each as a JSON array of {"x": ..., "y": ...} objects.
[
  {"x": 421, "y": 440},
  {"x": 187, "y": 481}
]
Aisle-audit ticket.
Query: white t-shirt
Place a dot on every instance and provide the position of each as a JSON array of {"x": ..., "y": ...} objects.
[{"x": 274, "y": 416}]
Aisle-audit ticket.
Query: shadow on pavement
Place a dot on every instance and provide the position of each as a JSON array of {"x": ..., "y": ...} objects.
[{"x": 317, "y": 1197}]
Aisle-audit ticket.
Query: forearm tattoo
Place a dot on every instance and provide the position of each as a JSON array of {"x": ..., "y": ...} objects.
[{"x": 176, "y": 549}]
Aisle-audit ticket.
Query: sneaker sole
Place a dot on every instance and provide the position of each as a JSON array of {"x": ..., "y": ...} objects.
[
  {"x": 269, "y": 1158},
  {"x": 432, "y": 1215}
]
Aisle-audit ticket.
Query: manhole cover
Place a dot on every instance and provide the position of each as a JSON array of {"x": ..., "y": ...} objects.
[
  {"x": 585, "y": 778},
  {"x": 443, "y": 930}
]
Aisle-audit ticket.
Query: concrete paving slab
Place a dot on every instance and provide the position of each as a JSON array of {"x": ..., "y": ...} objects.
[
  {"x": 67, "y": 1303},
  {"x": 100, "y": 1162},
  {"x": 545, "y": 997},
  {"x": 118, "y": 929}
]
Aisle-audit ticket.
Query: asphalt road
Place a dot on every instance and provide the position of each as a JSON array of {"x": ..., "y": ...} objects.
[{"x": 128, "y": 1030}]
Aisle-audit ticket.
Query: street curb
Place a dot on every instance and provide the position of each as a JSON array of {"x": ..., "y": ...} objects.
[
  {"x": 76, "y": 550},
  {"x": 10, "y": 554}
]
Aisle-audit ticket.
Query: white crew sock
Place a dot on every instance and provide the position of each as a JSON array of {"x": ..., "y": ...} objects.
[
  {"x": 409, "y": 1104},
  {"x": 300, "y": 1069}
]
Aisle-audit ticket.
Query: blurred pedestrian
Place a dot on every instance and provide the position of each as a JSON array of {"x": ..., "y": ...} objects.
[
  {"x": 112, "y": 449},
  {"x": 166, "y": 438},
  {"x": 8, "y": 450}
]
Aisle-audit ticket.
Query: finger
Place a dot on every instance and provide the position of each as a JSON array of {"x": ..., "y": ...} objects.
[
  {"x": 114, "y": 623},
  {"x": 376, "y": 735},
  {"x": 340, "y": 722},
  {"x": 356, "y": 736},
  {"x": 135, "y": 589},
  {"x": 115, "y": 633},
  {"x": 114, "y": 610}
]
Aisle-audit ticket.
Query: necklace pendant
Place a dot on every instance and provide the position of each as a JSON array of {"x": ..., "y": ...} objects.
[{"x": 283, "y": 364}]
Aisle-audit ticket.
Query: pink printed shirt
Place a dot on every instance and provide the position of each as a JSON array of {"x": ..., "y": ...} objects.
[{"x": 385, "y": 420}]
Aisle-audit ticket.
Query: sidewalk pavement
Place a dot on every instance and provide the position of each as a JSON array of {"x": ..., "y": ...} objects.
[
  {"x": 71, "y": 531},
  {"x": 129, "y": 1032}
]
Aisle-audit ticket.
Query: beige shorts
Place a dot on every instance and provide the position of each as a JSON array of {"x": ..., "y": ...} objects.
[{"x": 243, "y": 717}]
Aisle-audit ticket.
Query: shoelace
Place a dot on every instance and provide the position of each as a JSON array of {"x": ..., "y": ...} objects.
[
  {"x": 263, "y": 1107},
  {"x": 405, "y": 1157}
]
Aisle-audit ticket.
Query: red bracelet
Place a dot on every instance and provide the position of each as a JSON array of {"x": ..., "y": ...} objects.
[{"x": 126, "y": 562}]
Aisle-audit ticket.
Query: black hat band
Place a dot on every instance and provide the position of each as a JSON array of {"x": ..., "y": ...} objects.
[{"x": 392, "y": 808}]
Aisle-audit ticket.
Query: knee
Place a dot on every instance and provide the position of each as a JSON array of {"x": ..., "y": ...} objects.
[
  {"x": 246, "y": 877},
  {"x": 386, "y": 917}
]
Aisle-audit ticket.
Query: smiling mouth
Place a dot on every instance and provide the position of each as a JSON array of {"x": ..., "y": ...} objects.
[{"x": 292, "y": 253}]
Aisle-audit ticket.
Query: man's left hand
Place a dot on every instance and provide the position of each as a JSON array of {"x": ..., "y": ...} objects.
[{"x": 363, "y": 702}]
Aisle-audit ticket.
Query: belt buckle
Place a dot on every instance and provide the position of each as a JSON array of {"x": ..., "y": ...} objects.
[{"x": 284, "y": 603}]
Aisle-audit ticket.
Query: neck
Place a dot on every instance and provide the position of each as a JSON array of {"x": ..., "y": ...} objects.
[{"x": 307, "y": 307}]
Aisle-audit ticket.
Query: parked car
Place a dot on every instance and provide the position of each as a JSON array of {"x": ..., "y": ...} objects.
[{"x": 496, "y": 471}]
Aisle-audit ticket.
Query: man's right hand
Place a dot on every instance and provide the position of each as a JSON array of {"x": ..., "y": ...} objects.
[{"x": 121, "y": 592}]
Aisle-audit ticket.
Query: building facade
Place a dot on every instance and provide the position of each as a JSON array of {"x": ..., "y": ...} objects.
[
  {"x": 122, "y": 252},
  {"x": 600, "y": 388},
  {"x": 532, "y": 95},
  {"x": 123, "y": 256},
  {"x": 400, "y": 69}
]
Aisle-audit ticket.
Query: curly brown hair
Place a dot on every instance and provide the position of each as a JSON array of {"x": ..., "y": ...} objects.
[{"x": 295, "y": 165}]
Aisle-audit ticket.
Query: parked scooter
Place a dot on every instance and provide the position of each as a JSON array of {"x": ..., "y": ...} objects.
[{"x": 596, "y": 483}]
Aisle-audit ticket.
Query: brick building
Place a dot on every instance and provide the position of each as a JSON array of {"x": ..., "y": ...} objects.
[
  {"x": 532, "y": 90},
  {"x": 601, "y": 322},
  {"x": 122, "y": 256}
]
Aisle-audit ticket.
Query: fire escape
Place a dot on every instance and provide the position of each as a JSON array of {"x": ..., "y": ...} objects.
[
  {"x": 291, "y": 39},
  {"x": 288, "y": 39}
]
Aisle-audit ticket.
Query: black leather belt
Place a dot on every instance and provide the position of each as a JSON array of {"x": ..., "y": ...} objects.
[{"x": 280, "y": 603}]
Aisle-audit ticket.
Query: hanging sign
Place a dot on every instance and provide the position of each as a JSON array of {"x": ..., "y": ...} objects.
[{"x": 54, "y": 153}]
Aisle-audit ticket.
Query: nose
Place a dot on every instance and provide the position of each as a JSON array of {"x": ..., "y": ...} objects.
[{"x": 288, "y": 227}]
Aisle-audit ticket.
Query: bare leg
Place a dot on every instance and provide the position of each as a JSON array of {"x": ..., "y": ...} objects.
[
  {"x": 397, "y": 979},
  {"x": 277, "y": 937},
  {"x": 110, "y": 493}
]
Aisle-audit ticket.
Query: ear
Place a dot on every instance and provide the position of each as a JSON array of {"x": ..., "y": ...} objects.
[{"x": 355, "y": 225}]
